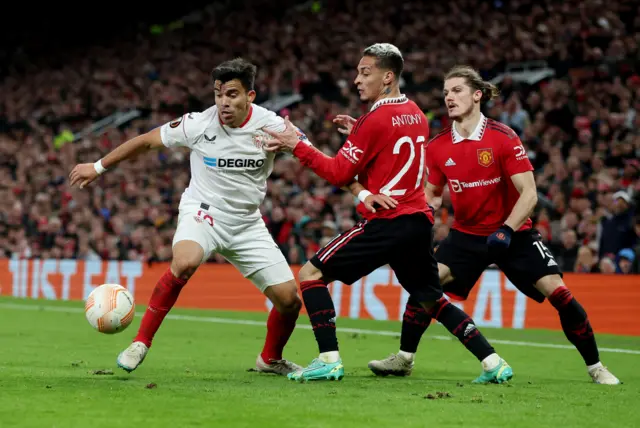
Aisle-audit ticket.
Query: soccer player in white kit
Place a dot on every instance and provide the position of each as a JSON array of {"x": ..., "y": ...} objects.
[{"x": 219, "y": 211}]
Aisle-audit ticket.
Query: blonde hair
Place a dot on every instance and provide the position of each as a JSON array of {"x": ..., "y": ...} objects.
[{"x": 475, "y": 82}]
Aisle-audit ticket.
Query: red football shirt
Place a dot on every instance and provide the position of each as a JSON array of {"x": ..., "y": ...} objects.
[
  {"x": 386, "y": 151},
  {"x": 478, "y": 170}
]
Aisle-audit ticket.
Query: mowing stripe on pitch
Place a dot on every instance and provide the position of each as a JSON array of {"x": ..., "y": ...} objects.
[{"x": 217, "y": 320}]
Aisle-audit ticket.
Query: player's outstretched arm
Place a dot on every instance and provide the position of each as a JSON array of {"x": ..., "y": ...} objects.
[
  {"x": 83, "y": 174},
  {"x": 370, "y": 200},
  {"x": 339, "y": 171},
  {"x": 525, "y": 183}
]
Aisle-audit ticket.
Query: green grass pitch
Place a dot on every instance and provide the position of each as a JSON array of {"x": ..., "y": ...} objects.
[{"x": 196, "y": 376}]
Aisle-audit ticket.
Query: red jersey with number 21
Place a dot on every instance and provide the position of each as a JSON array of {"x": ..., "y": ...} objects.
[
  {"x": 478, "y": 170},
  {"x": 386, "y": 151}
]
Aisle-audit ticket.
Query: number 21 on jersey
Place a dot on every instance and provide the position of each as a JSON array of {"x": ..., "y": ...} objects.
[{"x": 399, "y": 179}]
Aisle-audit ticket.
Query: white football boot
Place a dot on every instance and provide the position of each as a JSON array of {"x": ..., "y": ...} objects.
[
  {"x": 279, "y": 367},
  {"x": 132, "y": 357},
  {"x": 603, "y": 376},
  {"x": 395, "y": 365}
]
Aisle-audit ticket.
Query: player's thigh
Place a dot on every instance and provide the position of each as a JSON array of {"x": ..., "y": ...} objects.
[
  {"x": 194, "y": 226},
  {"x": 354, "y": 253},
  {"x": 413, "y": 260},
  {"x": 527, "y": 262},
  {"x": 461, "y": 260},
  {"x": 257, "y": 256}
]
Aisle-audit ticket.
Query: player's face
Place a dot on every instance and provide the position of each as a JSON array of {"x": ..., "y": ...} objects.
[
  {"x": 371, "y": 79},
  {"x": 233, "y": 101},
  {"x": 460, "y": 98}
]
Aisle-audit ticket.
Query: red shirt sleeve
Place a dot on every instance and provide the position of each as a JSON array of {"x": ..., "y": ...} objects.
[
  {"x": 435, "y": 176},
  {"x": 514, "y": 157},
  {"x": 354, "y": 155}
]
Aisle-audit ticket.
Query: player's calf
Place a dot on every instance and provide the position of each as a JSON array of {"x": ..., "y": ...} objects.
[
  {"x": 576, "y": 326},
  {"x": 187, "y": 256},
  {"x": 461, "y": 325},
  {"x": 280, "y": 325}
]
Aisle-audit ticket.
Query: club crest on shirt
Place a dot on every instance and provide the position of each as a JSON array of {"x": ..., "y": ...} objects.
[
  {"x": 259, "y": 138},
  {"x": 485, "y": 157},
  {"x": 175, "y": 123}
]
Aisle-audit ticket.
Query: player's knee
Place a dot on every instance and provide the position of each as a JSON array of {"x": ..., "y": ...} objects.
[
  {"x": 290, "y": 303},
  {"x": 548, "y": 284},
  {"x": 184, "y": 266},
  {"x": 309, "y": 273}
]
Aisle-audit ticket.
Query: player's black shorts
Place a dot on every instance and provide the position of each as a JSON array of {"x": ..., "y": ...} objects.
[
  {"x": 403, "y": 242},
  {"x": 524, "y": 263}
]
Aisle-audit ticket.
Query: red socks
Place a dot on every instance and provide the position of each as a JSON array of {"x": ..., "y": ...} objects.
[
  {"x": 279, "y": 329},
  {"x": 165, "y": 294}
]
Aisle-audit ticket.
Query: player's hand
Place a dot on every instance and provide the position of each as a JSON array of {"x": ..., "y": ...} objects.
[
  {"x": 346, "y": 122},
  {"x": 500, "y": 239},
  {"x": 286, "y": 140},
  {"x": 82, "y": 175},
  {"x": 381, "y": 201}
]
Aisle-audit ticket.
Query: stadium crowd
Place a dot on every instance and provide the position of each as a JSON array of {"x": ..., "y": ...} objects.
[{"x": 581, "y": 127}]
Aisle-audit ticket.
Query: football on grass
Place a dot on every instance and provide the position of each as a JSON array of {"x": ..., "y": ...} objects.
[{"x": 109, "y": 308}]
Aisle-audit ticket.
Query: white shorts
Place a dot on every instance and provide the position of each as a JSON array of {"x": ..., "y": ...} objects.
[{"x": 249, "y": 246}]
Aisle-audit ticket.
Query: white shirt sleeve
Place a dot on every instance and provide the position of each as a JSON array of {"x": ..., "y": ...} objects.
[
  {"x": 276, "y": 123},
  {"x": 183, "y": 131}
]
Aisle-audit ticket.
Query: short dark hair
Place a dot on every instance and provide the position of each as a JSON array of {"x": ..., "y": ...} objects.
[
  {"x": 237, "y": 68},
  {"x": 387, "y": 57}
]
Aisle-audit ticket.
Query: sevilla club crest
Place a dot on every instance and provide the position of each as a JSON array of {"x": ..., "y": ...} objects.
[{"x": 485, "y": 157}]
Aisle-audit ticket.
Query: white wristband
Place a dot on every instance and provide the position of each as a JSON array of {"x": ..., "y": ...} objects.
[
  {"x": 363, "y": 195},
  {"x": 99, "y": 168}
]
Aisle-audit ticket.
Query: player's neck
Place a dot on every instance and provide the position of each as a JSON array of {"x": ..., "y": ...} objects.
[
  {"x": 466, "y": 125},
  {"x": 388, "y": 93}
]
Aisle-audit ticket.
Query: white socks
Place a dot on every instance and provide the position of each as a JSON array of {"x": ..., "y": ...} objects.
[
  {"x": 491, "y": 362},
  {"x": 409, "y": 356},
  {"x": 329, "y": 357}
]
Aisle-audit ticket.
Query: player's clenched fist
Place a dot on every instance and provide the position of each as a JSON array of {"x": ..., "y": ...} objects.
[
  {"x": 346, "y": 123},
  {"x": 82, "y": 174}
]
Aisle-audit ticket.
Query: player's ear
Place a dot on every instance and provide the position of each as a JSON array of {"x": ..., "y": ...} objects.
[
  {"x": 388, "y": 78},
  {"x": 477, "y": 96},
  {"x": 251, "y": 96}
]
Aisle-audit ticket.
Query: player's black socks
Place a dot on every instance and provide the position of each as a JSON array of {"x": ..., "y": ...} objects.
[
  {"x": 575, "y": 324},
  {"x": 462, "y": 326},
  {"x": 415, "y": 322},
  {"x": 322, "y": 313}
]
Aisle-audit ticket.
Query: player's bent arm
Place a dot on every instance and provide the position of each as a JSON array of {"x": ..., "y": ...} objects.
[
  {"x": 525, "y": 183},
  {"x": 338, "y": 171},
  {"x": 432, "y": 191},
  {"x": 136, "y": 146}
]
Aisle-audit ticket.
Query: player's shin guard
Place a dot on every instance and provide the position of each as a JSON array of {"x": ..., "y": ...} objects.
[
  {"x": 575, "y": 324},
  {"x": 462, "y": 326},
  {"x": 165, "y": 294},
  {"x": 279, "y": 329},
  {"x": 322, "y": 313},
  {"x": 415, "y": 322}
]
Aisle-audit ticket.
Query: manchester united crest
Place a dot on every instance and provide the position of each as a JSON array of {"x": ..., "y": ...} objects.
[{"x": 485, "y": 157}]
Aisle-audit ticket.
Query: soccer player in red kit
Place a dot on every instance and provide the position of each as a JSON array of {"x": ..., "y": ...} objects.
[
  {"x": 493, "y": 192},
  {"x": 385, "y": 150}
]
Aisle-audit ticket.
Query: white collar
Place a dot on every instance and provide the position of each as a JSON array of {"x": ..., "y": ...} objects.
[
  {"x": 476, "y": 135},
  {"x": 398, "y": 100}
]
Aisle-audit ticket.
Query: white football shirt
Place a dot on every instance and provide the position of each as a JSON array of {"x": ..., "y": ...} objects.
[{"x": 229, "y": 167}]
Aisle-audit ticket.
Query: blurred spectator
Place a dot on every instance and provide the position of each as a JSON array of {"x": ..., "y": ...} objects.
[{"x": 626, "y": 257}]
